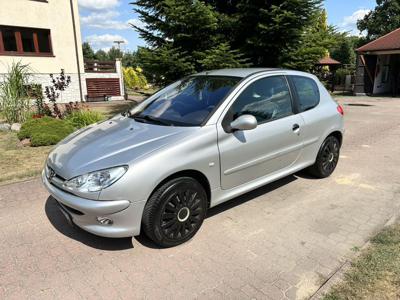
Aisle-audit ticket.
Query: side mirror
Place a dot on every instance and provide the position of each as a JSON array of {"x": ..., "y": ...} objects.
[{"x": 244, "y": 122}]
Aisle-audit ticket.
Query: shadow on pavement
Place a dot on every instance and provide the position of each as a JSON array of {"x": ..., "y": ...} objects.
[
  {"x": 265, "y": 189},
  {"x": 306, "y": 175},
  {"x": 142, "y": 239},
  {"x": 60, "y": 223}
]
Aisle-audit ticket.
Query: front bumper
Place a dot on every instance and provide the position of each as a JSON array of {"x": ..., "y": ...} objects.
[{"x": 126, "y": 215}]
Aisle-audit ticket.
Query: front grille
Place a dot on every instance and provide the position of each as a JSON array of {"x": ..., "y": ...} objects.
[{"x": 54, "y": 178}]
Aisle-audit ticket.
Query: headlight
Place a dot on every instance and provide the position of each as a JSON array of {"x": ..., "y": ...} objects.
[{"x": 95, "y": 181}]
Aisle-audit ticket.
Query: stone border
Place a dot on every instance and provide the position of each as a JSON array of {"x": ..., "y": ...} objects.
[{"x": 338, "y": 275}]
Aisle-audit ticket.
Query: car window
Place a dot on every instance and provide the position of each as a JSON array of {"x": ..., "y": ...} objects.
[
  {"x": 266, "y": 99},
  {"x": 188, "y": 102},
  {"x": 307, "y": 92}
]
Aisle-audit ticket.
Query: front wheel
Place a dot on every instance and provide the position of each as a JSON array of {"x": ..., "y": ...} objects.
[
  {"x": 327, "y": 159},
  {"x": 175, "y": 212}
]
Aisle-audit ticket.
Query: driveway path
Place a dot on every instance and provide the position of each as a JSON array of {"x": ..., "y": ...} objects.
[{"x": 281, "y": 241}]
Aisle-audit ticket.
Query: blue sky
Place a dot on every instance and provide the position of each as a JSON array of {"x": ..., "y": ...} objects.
[{"x": 105, "y": 21}]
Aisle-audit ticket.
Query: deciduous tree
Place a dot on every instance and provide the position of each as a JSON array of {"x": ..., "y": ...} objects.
[{"x": 382, "y": 20}]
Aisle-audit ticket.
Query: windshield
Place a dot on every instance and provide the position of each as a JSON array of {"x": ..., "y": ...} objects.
[{"x": 188, "y": 102}]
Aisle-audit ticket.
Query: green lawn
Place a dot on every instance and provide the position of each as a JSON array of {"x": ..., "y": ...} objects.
[
  {"x": 375, "y": 274},
  {"x": 19, "y": 163}
]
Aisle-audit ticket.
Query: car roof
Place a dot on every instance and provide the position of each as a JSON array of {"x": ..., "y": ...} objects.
[{"x": 239, "y": 72}]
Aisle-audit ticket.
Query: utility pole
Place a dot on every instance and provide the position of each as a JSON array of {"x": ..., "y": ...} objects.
[{"x": 119, "y": 44}]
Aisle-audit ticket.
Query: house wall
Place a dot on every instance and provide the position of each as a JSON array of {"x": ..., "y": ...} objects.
[
  {"x": 54, "y": 15},
  {"x": 382, "y": 75}
]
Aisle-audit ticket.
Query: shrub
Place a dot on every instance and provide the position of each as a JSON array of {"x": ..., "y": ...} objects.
[
  {"x": 134, "y": 78},
  {"x": 45, "y": 131},
  {"x": 83, "y": 118},
  {"x": 14, "y": 103}
]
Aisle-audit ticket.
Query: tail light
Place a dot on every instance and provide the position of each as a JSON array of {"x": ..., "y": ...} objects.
[{"x": 340, "y": 110}]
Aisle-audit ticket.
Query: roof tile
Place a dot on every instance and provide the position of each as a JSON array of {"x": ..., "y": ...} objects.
[{"x": 390, "y": 41}]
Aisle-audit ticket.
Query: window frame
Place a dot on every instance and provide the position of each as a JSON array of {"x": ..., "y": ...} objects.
[
  {"x": 226, "y": 120},
  {"x": 296, "y": 95},
  {"x": 18, "y": 37}
]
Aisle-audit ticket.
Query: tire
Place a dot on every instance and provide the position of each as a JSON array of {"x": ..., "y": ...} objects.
[
  {"x": 175, "y": 212},
  {"x": 327, "y": 158}
]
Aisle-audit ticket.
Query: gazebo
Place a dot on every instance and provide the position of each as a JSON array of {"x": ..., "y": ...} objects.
[{"x": 332, "y": 65}]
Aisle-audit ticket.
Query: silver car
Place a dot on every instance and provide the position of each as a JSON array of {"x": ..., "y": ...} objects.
[{"x": 197, "y": 143}]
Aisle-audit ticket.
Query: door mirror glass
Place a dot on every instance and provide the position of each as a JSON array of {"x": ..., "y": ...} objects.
[{"x": 244, "y": 122}]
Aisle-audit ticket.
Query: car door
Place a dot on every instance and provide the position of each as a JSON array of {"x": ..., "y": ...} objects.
[
  {"x": 275, "y": 144},
  {"x": 316, "y": 119}
]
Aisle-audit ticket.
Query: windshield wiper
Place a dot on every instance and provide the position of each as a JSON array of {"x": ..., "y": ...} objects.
[
  {"x": 127, "y": 113},
  {"x": 151, "y": 119}
]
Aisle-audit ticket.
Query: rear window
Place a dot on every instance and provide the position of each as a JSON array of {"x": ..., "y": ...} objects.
[{"x": 307, "y": 92}]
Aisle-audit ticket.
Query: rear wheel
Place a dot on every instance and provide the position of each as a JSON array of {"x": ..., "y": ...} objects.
[
  {"x": 327, "y": 159},
  {"x": 175, "y": 212}
]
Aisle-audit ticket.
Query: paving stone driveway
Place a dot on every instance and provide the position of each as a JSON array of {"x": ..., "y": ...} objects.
[{"x": 281, "y": 241}]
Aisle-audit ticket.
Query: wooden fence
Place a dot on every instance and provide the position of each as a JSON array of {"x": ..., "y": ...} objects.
[{"x": 95, "y": 66}]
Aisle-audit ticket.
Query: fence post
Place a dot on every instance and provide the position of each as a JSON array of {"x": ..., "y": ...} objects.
[{"x": 118, "y": 66}]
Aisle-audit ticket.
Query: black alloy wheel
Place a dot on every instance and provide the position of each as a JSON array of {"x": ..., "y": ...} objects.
[{"x": 327, "y": 159}]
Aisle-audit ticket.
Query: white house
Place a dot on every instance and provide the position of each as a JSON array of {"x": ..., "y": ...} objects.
[{"x": 46, "y": 35}]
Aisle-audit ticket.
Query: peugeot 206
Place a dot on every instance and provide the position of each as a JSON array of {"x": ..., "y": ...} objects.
[{"x": 200, "y": 141}]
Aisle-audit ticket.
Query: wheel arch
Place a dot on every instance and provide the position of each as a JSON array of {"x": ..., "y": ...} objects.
[
  {"x": 337, "y": 134},
  {"x": 195, "y": 174}
]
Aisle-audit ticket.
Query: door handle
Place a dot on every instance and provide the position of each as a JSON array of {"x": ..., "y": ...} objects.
[{"x": 296, "y": 127}]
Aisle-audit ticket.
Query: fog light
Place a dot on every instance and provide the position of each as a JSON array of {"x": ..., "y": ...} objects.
[{"x": 104, "y": 221}]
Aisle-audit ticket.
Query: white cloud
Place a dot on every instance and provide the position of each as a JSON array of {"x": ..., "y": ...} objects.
[
  {"x": 349, "y": 23},
  {"x": 98, "y": 4},
  {"x": 105, "y": 41},
  {"x": 106, "y": 20}
]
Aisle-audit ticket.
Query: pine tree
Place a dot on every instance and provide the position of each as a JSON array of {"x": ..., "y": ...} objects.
[
  {"x": 203, "y": 34},
  {"x": 267, "y": 28},
  {"x": 314, "y": 43},
  {"x": 180, "y": 33}
]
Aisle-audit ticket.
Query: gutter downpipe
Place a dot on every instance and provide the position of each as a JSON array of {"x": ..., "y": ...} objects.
[{"x": 76, "y": 50}]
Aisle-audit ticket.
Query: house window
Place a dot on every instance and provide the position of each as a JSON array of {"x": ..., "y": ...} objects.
[
  {"x": 25, "y": 41},
  {"x": 9, "y": 40}
]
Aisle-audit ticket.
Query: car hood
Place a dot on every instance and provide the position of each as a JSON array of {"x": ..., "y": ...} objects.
[{"x": 115, "y": 142}]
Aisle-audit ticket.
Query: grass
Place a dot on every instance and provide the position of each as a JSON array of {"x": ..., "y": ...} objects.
[
  {"x": 17, "y": 163},
  {"x": 375, "y": 274},
  {"x": 22, "y": 163},
  {"x": 110, "y": 109}
]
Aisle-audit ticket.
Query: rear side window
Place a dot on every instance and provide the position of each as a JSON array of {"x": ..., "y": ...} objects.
[{"x": 307, "y": 92}]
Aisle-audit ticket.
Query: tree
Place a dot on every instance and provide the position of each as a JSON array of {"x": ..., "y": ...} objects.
[
  {"x": 179, "y": 33},
  {"x": 266, "y": 28},
  {"x": 130, "y": 59},
  {"x": 114, "y": 53},
  {"x": 222, "y": 56},
  {"x": 382, "y": 20},
  {"x": 344, "y": 48},
  {"x": 312, "y": 45},
  {"x": 88, "y": 52},
  {"x": 164, "y": 64},
  {"x": 206, "y": 34},
  {"x": 101, "y": 55}
]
